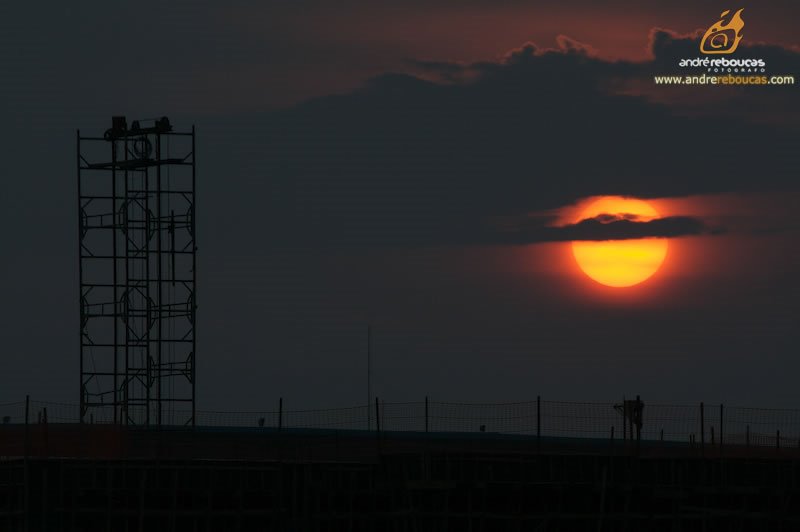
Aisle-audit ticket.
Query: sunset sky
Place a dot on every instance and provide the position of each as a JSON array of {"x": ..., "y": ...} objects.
[{"x": 421, "y": 166}]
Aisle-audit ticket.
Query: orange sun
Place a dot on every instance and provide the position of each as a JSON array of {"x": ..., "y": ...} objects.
[{"x": 620, "y": 263}]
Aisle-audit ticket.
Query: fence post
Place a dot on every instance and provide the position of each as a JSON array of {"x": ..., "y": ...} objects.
[
  {"x": 702, "y": 430},
  {"x": 624, "y": 423},
  {"x": 638, "y": 419},
  {"x": 46, "y": 432},
  {"x": 747, "y": 436},
  {"x": 721, "y": 431},
  {"x": 538, "y": 421},
  {"x": 27, "y": 430},
  {"x": 426, "y": 413},
  {"x": 280, "y": 413},
  {"x": 611, "y": 446},
  {"x": 778, "y": 439},
  {"x": 377, "y": 417}
]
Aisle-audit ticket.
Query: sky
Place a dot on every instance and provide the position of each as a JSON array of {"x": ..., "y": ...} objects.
[{"x": 417, "y": 167}]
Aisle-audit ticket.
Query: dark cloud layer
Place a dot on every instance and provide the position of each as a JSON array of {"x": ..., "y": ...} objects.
[
  {"x": 603, "y": 227},
  {"x": 427, "y": 159}
]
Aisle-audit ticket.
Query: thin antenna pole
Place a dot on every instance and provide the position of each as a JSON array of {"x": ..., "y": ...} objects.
[
  {"x": 194, "y": 278},
  {"x": 82, "y": 399},
  {"x": 369, "y": 376}
]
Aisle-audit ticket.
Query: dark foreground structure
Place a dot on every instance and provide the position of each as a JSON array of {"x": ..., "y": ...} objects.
[{"x": 100, "y": 477}]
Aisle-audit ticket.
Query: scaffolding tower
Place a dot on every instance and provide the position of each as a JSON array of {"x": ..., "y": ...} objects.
[{"x": 138, "y": 275}]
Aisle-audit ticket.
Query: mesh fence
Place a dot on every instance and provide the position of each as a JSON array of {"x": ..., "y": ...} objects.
[
  {"x": 12, "y": 412},
  {"x": 761, "y": 426},
  {"x": 668, "y": 422},
  {"x": 673, "y": 422},
  {"x": 591, "y": 420},
  {"x": 504, "y": 417}
]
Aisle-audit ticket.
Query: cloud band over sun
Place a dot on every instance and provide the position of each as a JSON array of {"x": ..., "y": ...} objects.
[
  {"x": 426, "y": 159},
  {"x": 604, "y": 227}
]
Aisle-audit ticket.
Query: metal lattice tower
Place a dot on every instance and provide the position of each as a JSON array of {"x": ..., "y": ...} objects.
[{"x": 137, "y": 254}]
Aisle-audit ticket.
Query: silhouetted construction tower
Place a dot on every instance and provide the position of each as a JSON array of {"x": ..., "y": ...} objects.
[{"x": 137, "y": 254}]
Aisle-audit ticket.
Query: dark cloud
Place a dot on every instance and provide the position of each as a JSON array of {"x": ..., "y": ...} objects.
[
  {"x": 426, "y": 159},
  {"x": 608, "y": 218},
  {"x": 667, "y": 45},
  {"x": 603, "y": 227},
  {"x": 528, "y": 53}
]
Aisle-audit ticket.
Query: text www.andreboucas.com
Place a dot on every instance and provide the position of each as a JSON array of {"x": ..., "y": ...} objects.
[{"x": 705, "y": 79}]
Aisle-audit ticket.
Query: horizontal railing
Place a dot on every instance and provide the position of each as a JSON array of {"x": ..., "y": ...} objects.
[{"x": 708, "y": 423}]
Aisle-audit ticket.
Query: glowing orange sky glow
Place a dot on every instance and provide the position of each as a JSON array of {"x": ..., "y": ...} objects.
[{"x": 620, "y": 263}]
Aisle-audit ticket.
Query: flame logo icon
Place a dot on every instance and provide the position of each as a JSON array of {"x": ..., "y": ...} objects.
[{"x": 723, "y": 37}]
